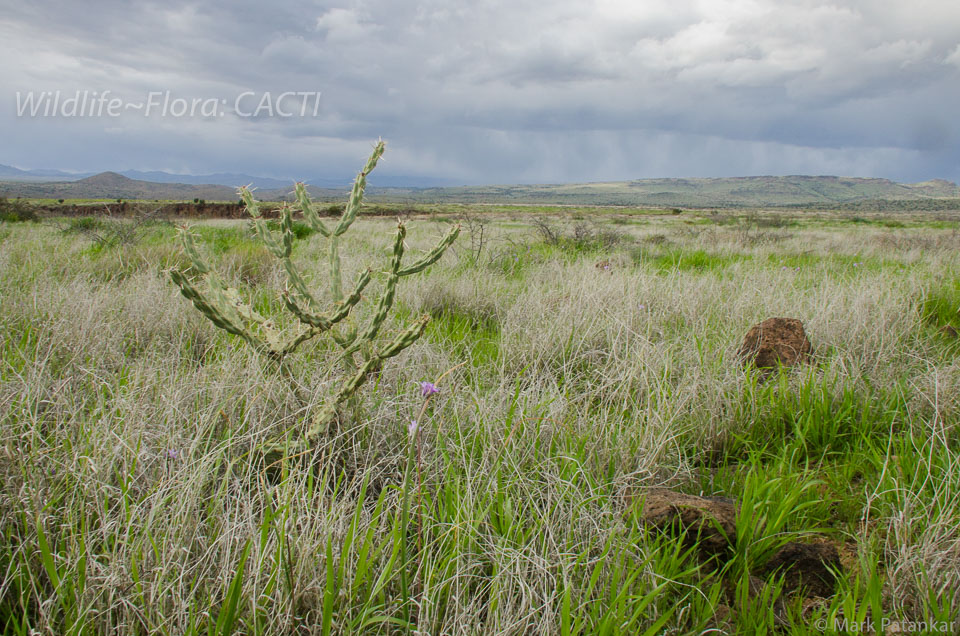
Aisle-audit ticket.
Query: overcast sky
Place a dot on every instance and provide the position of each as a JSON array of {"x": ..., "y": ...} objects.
[{"x": 489, "y": 91}]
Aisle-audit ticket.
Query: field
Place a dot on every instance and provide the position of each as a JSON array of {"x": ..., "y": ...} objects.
[{"x": 581, "y": 356}]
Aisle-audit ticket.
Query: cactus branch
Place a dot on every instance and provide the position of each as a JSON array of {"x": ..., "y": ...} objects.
[
  {"x": 433, "y": 255},
  {"x": 309, "y": 213},
  {"x": 371, "y": 365},
  {"x": 325, "y": 321}
]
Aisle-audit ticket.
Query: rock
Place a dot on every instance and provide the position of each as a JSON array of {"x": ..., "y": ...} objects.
[
  {"x": 712, "y": 518},
  {"x": 775, "y": 341},
  {"x": 805, "y": 566}
]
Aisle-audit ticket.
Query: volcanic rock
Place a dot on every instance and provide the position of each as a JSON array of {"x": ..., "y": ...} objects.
[{"x": 775, "y": 341}]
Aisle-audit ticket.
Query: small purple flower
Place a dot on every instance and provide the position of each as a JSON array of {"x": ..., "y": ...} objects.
[
  {"x": 412, "y": 427},
  {"x": 172, "y": 453},
  {"x": 428, "y": 389},
  {"x": 641, "y": 307}
]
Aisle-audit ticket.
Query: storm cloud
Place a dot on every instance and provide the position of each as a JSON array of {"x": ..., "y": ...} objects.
[{"x": 497, "y": 92}]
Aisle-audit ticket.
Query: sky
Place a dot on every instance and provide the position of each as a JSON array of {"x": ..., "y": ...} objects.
[{"x": 486, "y": 91}]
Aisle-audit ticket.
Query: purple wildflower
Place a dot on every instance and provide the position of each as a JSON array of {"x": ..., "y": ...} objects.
[
  {"x": 172, "y": 453},
  {"x": 428, "y": 389},
  {"x": 412, "y": 427}
]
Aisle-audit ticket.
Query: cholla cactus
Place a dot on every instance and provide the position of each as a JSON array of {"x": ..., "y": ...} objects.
[{"x": 362, "y": 356}]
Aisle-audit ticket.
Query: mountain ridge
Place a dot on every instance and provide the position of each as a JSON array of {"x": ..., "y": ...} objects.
[
  {"x": 230, "y": 179},
  {"x": 751, "y": 191}
]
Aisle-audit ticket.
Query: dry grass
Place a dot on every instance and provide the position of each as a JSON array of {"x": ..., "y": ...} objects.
[{"x": 130, "y": 428}]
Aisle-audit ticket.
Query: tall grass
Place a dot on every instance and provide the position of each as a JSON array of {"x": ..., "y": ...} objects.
[{"x": 132, "y": 501}]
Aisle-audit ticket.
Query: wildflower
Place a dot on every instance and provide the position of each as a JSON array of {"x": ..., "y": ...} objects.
[
  {"x": 428, "y": 389},
  {"x": 172, "y": 453},
  {"x": 412, "y": 427},
  {"x": 641, "y": 307}
]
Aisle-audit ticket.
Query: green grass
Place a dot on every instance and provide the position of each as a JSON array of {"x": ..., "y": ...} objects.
[
  {"x": 474, "y": 339},
  {"x": 681, "y": 260},
  {"x": 940, "y": 305}
]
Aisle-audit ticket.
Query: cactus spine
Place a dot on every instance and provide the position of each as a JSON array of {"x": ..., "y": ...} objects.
[{"x": 225, "y": 308}]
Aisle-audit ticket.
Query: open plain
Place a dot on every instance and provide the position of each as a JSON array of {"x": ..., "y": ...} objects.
[{"x": 584, "y": 358}]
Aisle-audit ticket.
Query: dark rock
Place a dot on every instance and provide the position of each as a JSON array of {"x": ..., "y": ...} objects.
[
  {"x": 775, "y": 341},
  {"x": 710, "y": 522},
  {"x": 805, "y": 566}
]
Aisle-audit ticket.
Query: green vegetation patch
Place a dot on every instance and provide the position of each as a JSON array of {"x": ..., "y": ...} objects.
[
  {"x": 678, "y": 259},
  {"x": 16, "y": 211},
  {"x": 471, "y": 339},
  {"x": 224, "y": 239},
  {"x": 940, "y": 306}
]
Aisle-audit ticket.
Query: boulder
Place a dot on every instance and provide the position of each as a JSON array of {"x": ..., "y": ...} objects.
[
  {"x": 809, "y": 567},
  {"x": 710, "y": 522},
  {"x": 775, "y": 341}
]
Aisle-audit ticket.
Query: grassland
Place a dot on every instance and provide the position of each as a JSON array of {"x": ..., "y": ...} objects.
[{"x": 133, "y": 499}]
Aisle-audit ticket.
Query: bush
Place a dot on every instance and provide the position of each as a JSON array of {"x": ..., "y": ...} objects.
[
  {"x": 16, "y": 211},
  {"x": 106, "y": 232},
  {"x": 581, "y": 237},
  {"x": 300, "y": 229},
  {"x": 82, "y": 224}
]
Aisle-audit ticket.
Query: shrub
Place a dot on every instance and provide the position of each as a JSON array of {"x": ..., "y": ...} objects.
[
  {"x": 107, "y": 232},
  {"x": 301, "y": 230},
  {"x": 582, "y": 237},
  {"x": 16, "y": 211}
]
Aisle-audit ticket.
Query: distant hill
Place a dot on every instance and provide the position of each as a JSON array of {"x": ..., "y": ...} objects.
[
  {"x": 230, "y": 179},
  {"x": 111, "y": 185},
  {"x": 724, "y": 192},
  {"x": 9, "y": 172},
  {"x": 820, "y": 191}
]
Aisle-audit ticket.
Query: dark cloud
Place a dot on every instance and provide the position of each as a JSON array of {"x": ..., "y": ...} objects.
[{"x": 497, "y": 91}]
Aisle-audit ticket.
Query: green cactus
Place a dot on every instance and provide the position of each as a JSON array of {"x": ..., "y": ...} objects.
[{"x": 361, "y": 356}]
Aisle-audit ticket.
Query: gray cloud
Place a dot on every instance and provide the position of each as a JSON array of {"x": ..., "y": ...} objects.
[{"x": 496, "y": 91}]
